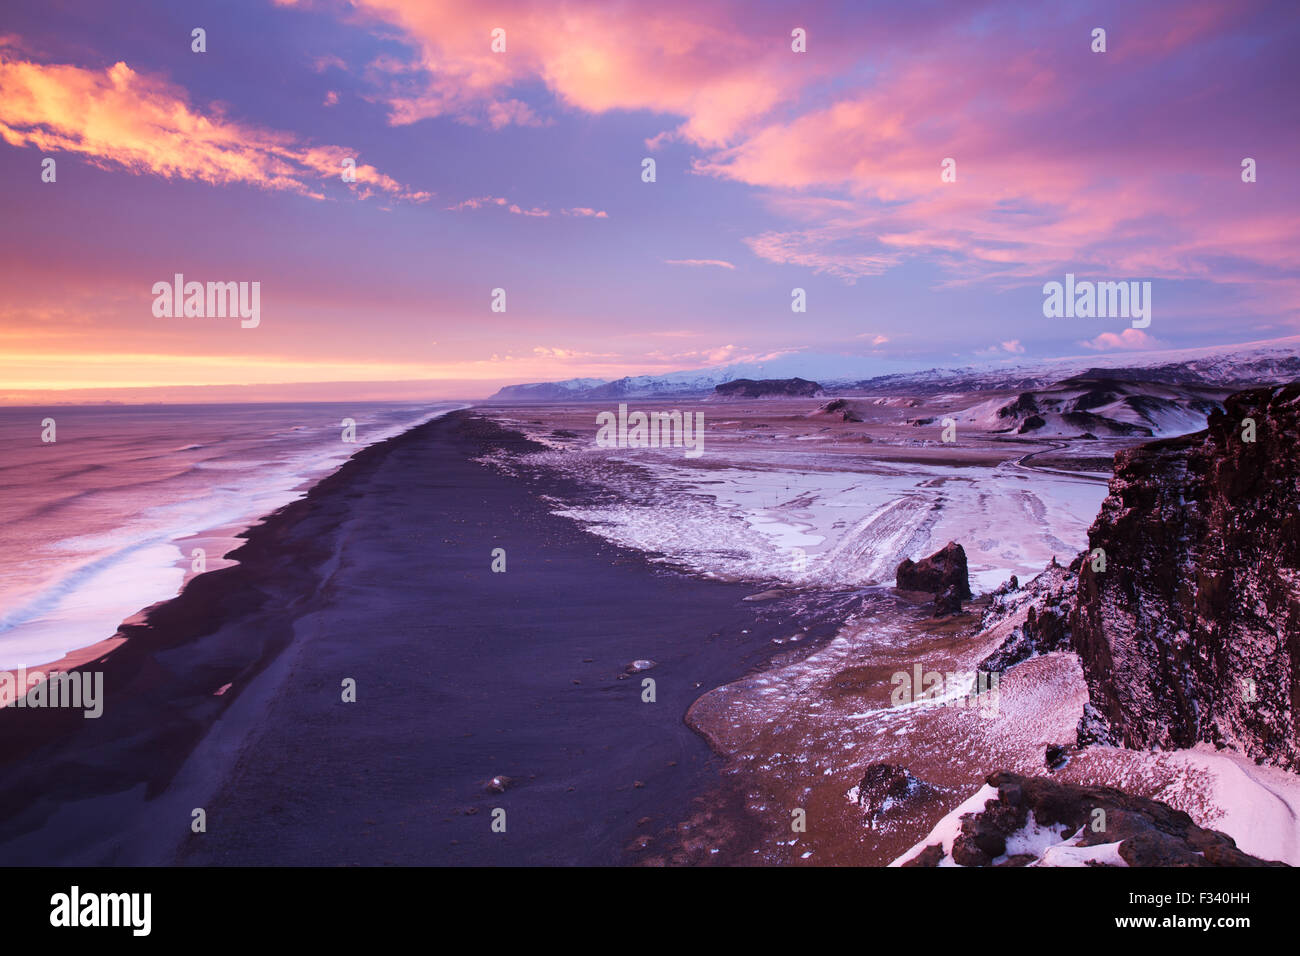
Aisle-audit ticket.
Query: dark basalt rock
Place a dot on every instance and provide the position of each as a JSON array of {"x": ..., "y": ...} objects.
[
  {"x": 1026, "y": 404},
  {"x": 1051, "y": 598},
  {"x": 1090, "y": 423},
  {"x": 768, "y": 387},
  {"x": 948, "y": 602},
  {"x": 944, "y": 569},
  {"x": 930, "y": 856},
  {"x": 1192, "y": 633},
  {"x": 1149, "y": 833},
  {"x": 886, "y": 786}
]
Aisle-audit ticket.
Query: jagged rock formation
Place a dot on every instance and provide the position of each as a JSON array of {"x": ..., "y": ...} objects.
[
  {"x": 1051, "y": 599},
  {"x": 769, "y": 388},
  {"x": 944, "y": 569},
  {"x": 1036, "y": 821},
  {"x": 1192, "y": 631}
]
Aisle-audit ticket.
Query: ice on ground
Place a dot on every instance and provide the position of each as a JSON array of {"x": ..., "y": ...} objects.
[{"x": 805, "y": 520}]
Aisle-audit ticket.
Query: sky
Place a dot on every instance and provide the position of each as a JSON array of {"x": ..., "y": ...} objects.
[{"x": 522, "y": 169}]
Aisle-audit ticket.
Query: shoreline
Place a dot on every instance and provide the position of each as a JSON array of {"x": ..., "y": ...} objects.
[
  {"x": 98, "y": 791},
  {"x": 48, "y": 754},
  {"x": 225, "y": 534}
]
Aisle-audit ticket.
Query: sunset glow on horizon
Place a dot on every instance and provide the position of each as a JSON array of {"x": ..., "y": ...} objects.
[{"x": 479, "y": 168}]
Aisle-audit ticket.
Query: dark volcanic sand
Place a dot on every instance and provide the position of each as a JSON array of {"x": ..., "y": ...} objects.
[{"x": 382, "y": 574}]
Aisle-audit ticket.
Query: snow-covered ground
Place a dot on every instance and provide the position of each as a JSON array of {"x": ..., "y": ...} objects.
[
  {"x": 831, "y": 520},
  {"x": 780, "y": 495}
]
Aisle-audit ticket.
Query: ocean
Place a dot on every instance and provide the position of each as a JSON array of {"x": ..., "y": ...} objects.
[{"x": 104, "y": 521}]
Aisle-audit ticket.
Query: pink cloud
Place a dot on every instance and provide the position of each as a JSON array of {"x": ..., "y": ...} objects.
[
  {"x": 568, "y": 355},
  {"x": 1065, "y": 159},
  {"x": 1129, "y": 339},
  {"x": 691, "y": 62},
  {"x": 822, "y": 252},
  {"x": 720, "y": 263}
]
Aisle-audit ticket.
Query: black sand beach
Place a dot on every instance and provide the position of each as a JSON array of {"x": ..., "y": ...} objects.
[{"x": 382, "y": 574}]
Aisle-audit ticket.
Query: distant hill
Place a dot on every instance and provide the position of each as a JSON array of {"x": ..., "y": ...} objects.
[
  {"x": 548, "y": 391},
  {"x": 1230, "y": 367},
  {"x": 769, "y": 388}
]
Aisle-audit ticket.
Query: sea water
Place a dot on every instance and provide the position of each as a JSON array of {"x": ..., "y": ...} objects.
[{"x": 104, "y": 521}]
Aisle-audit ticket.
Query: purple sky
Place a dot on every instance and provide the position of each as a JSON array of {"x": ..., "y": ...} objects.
[{"x": 522, "y": 170}]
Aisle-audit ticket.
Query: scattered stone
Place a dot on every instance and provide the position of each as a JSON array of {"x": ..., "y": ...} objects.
[{"x": 887, "y": 786}]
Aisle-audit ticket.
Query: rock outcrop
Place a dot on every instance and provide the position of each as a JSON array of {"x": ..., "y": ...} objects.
[
  {"x": 1192, "y": 631},
  {"x": 768, "y": 388},
  {"x": 1036, "y": 821},
  {"x": 944, "y": 569},
  {"x": 840, "y": 409},
  {"x": 1051, "y": 600},
  {"x": 887, "y": 786}
]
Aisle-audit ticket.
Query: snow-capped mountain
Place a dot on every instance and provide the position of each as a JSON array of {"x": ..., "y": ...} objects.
[
  {"x": 1252, "y": 363},
  {"x": 835, "y": 369}
]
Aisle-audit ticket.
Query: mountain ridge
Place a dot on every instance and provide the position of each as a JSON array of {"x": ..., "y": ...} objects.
[{"x": 1251, "y": 363}]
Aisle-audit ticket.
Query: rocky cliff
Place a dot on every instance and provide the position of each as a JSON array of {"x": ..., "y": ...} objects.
[
  {"x": 1037, "y": 821},
  {"x": 1192, "y": 630}
]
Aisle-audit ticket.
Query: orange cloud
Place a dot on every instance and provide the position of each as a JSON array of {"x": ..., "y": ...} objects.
[{"x": 118, "y": 118}]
